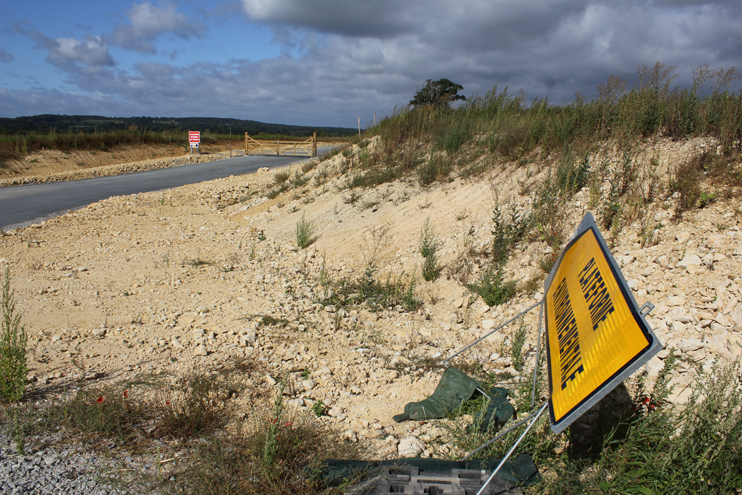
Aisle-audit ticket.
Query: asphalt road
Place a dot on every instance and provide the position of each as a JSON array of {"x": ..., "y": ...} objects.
[{"x": 23, "y": 205}]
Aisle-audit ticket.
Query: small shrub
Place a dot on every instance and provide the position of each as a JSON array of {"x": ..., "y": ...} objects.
[
  {"x": 428, "y": 247},
  {"x": 107, "y": 411},
  {"x": 433, "y": 170},
  {"x": 304, "y": 232},
  {"x": 352, "y": 198},
  {"x": 191, "y": 407},
  {"x": 13, "y": 366},
  {"x": 198, "y": 262},
  {"x": 318, "y": 408},
  {"x": 492, "y": 288},
  {"x": 275, "y": 451},
  {"x": 299, "y": 180},
  {"x": 308, "y": 166},
  {"x": 548, "y": 262},
  {"x": 507, "y": 233},
  {"x": 280, "y": 177}
]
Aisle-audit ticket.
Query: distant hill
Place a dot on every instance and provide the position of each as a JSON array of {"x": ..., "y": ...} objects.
[{"x": 93, "y": 123}]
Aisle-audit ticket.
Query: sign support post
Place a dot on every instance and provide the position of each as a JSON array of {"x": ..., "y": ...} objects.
[
  {"x": 194, "y": 138},
  {"x": 595, "y": 334}
]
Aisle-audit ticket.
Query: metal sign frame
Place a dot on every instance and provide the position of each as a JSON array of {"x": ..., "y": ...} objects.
[{"x": 653, "y": 346}]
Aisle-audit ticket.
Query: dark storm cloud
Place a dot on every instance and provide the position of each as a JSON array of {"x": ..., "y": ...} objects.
[
  {"x": 351, "y": 18},
  {"x": 347, "y": 58}
]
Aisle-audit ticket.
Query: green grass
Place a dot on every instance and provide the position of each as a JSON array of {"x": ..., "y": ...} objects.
[
  {"x": 632, "y": 441},
  {"x": 369, "y": 290}
]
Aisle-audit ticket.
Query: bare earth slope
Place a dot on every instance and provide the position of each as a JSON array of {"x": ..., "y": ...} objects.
[
  {"x": 182, "y": 279},
  {"x": 54, "y": 165}
]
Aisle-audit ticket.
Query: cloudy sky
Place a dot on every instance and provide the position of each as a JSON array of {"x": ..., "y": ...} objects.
[{"x": 329, "y": 62}]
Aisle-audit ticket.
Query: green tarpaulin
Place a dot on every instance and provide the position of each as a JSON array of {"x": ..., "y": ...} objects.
[{"x": 454, "y": 388}]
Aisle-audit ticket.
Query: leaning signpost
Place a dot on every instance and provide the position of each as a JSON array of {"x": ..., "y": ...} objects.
[{"x": 596, "y": 335}]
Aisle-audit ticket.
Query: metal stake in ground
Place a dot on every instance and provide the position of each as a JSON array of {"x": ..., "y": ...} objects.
[{"x": 481, "y": 490}]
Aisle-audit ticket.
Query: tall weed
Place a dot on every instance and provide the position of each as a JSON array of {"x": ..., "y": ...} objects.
[{"x": 13, "y": 366}]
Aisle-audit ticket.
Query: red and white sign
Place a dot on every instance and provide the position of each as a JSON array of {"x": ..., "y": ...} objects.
[{"x": 194, "y": 137}]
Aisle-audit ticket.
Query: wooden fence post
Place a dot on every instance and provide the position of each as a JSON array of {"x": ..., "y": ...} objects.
[
  {"x": 314, "y": 145},
  {"x": 246, "y": 152}
]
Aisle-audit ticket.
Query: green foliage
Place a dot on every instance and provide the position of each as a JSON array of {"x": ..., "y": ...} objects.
[
  {"x": 507, "y": 127},
  {"x": 451, "y": 138},
  {"x": 493, "y": 289},
  {"x": 433, "y": 170},
  {"x": 696, "y": 448},
  {"x": 190, "y": 408},
  {"x": 507, "y": 232},
  {"x": 268, "y": 459},
  {"x": 296, "y": 443},
  {"x": 305, "y": 230},
  {"x": 632, "y": 441},
  {"x": 367, "y": 289},
  {"x": 280, "y": 177},
  {"x": 428, "y": 247},
  {"x": 13, "y": 366},
  {"x": 437, "y": 94},
  {"x": 105, "y": 411},
  {"x": 318, "y": 408},
  {"x": 516, "y": 346}
]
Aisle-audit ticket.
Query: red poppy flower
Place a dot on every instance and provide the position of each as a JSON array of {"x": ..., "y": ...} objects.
[
  {"x": 167, "y": 402},
  {"x": 288, "y": 423},
  {"x": 100, "y": 399},
  {"x": 126, "y": 394}
]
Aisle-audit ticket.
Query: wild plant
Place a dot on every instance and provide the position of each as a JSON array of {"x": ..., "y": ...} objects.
[
  {"x": 305, "y": 230},
  {"x": 428, "y": 245},
  {"x": 13, "y": 367}
]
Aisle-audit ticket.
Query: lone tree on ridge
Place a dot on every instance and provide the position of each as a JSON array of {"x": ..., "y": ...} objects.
[{"x": 437, "y": 94}]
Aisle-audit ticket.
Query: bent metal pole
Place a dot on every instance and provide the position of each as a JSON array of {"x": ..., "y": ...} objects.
[{"x": 481, "y": 490}]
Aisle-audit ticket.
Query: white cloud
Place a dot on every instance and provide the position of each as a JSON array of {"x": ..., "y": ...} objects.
[
  {"x": 147, "y": 22},
  {"x": 91, "y": 51}
]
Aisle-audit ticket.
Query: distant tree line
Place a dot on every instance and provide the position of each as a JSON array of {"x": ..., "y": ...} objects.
[{"x": 90, "y": 124}]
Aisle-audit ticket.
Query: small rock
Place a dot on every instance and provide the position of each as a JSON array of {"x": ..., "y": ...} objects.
[
  {"x": 93, "y": 375},
  {"x": 689, "y": 259},
  {"x": 410, "y": 447},
  {"x": 350, "y": 435},
  {"x": 675, "y": 301},
  {"x": 690, "y": 345},
  {"x": 200, "y": 350}
]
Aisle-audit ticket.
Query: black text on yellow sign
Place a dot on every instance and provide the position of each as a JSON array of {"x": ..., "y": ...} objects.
[{"x": 595, "y": 334}]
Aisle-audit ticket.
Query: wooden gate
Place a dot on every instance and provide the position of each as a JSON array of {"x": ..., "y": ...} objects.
[{"x": 295, "y": 148}]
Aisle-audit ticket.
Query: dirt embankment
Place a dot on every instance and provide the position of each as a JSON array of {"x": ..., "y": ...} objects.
[
  {"x": 190, "y": 277},
  {"x": 54, "y": 165}
]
